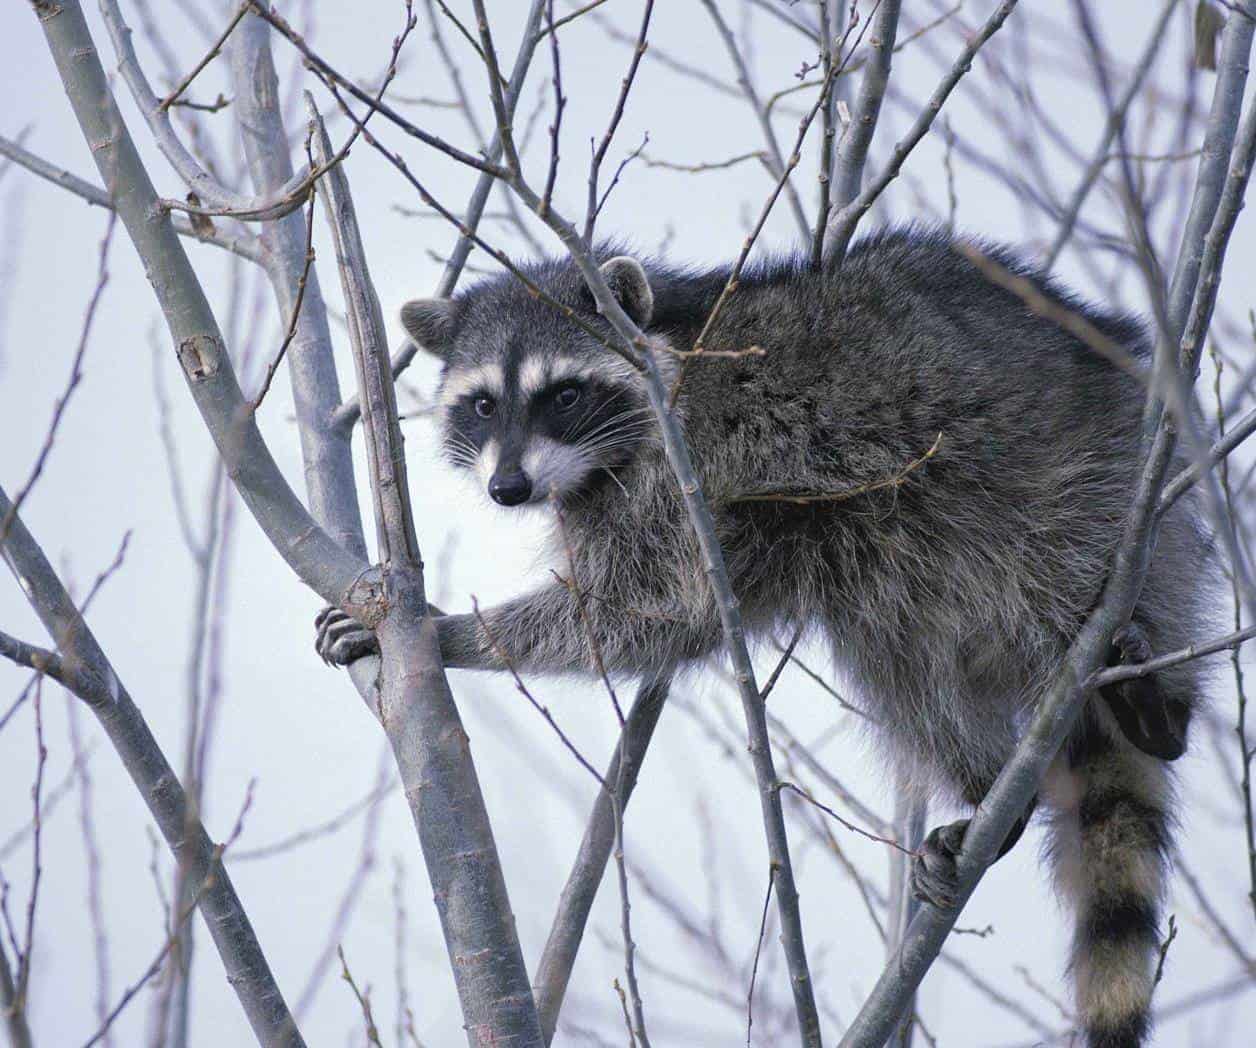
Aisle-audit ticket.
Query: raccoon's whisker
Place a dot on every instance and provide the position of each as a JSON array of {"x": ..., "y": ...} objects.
[
  {"x": 590, "y": 409},
  {"x": 462, "y": 452},
  {"x": 633, "y": 428},
  {"x": 624, "y": 417},
  {"x": 611, "y": 473},
  {"x": 619, "y": 436}
]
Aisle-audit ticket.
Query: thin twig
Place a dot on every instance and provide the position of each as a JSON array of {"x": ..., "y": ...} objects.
[
  {"x": 364, "y": 1000},
  {"x": 291, "y": 331},
  {"x": 730, "y": 286},
  {"x": 240, "y": 243},
  {"x": 1164, "y": 950},
  {"x": 842, "y": 226},
  {"x": 599, "y": 154},
  {"x": 210, "y": 55},
  {"x": 72, "y": 383},
  {"x": 780, "y": 167},
  {"x": 560, "y": 22},
  {"x": 758, "y": 947},
  {"x": 811, "y": 498},
  {"x": 1116, "y": 119},
  {"x": 853, "y": 827},
  {"x": 206, "y": 885}
]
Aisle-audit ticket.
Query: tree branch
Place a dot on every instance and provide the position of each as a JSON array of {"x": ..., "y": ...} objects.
[
  {"x": 852, "y": 151},
  {"x": 239, "y": 243},
  {"x": 208, "y": 190},
  {"x": 14, "y": 1016},
  {"x": 348, "y": 412},
  {"x": 746, "y": 82},
  {"x": 33, "y": 658},
  {"x": 415, "y": 703},
  {"x": 842, "y": 225},
  {"x": 553, "y": 972},
  {"x": 320, "y": 561},
  {"x": 1116, "y": 119},
  {"x": 88, "y": 674}
]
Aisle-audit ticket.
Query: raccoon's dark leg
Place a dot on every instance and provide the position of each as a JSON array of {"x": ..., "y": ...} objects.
[
  {"x": 1151, "y": 718},
  {"x": 1109, "y": 848},
  {"x": 340, "y": 639},
  {"x": 934, "y": 874}
]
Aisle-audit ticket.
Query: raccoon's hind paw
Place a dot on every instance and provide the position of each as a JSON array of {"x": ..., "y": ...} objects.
[
  {"x": 340, "y": 639},
  {"x": 934, "y": 875},
  {"x": 1131, "y": 644},
  {"x": 1149, "y": 719}
]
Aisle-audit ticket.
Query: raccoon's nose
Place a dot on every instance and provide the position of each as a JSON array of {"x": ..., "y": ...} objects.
[{"x": 510, "y": 489}]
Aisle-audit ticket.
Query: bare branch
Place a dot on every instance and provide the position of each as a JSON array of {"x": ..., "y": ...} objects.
[
  {"x": 364, "y": 1000},
  {"x": 1115, "y": 119},
  {"x": 239, "y": 243},
  {"x": 780, "y": 170},
  {"x": 758, "y": 947},
  {"x": 315, "y": 557},
  {"x": 842, "y": 225},
  {"x": 14, "y": 1017},
  {"x": 559, "y": 956},
  {"x": 348, "y": 413},
  {"x": 595, "y": 167},
  {"x": 33, "y": 657},
  {"x": 205, "y": 886},
  {"x": 377, "y": 793},
  {"x": 291, "y": 331},
  {"x": 91, "y": 677},
  {"x": 852, "y": 151},
  {"x": 415, "y": 704},
  {"x": 1115, "y": 674},
  {"x": 811, "y": 498},
  {"x": 210, "y": 55},
  {"x": 217, "y": 197},
  {"x": 76, "y": 376}
]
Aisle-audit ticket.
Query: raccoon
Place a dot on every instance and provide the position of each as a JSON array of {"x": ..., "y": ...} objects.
[{"x": 900, "y": 456}]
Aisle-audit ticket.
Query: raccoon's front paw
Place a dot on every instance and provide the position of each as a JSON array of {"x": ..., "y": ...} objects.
[
  {"x": 1149, "y": 719},
  {"x": 934, "y": 873},
  {"x": 340, "y": 639}
]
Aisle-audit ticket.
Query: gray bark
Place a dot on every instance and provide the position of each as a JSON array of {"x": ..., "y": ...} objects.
[
  {"x": 415, "y": 704},
  {"x": 87, "y": 672},
  {"x": 14, "y": 1015},
  {"x": 559, "y": 956},
  {"x": 319, "y": 560}
]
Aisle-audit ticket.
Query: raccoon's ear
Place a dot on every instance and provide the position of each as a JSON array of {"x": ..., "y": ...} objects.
[
  {"x": 431, "y": 323},
  {"x": 626, "y": 278}
]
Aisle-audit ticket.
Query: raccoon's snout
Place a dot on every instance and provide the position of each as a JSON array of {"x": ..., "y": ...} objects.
[{"x": 510, "y": 489}]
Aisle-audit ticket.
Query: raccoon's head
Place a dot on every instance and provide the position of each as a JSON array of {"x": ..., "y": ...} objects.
[{"x": 533, "y": 405}]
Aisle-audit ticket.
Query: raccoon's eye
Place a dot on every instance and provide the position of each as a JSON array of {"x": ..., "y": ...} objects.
[
  {"x": 566, "y": 397},
  {"x": 484, "y": 407}
]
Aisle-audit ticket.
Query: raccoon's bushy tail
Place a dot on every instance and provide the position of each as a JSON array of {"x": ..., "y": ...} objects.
[{"x": 1110, "y": 847}]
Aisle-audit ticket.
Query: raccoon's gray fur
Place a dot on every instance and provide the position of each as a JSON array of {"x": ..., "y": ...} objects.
[{"x": 949, "y": 585}]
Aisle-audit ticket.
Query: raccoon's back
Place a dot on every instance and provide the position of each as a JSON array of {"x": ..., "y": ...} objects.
[{"x": 922, "y": 427}]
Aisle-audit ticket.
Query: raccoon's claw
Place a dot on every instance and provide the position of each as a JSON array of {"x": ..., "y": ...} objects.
[
  {"x": 340, "y": 639},
  {"x": 934, "y": 874},
  {"x": 1131, "y": 644},
  {"x": 1149, "y": 719}
]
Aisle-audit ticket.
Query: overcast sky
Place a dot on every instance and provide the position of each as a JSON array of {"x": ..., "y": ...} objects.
[{"x": 299, "y": 730}]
